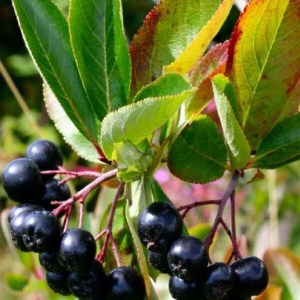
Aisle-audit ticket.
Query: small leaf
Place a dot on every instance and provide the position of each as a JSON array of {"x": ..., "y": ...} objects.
[
  {"x": 167, "y": 30},
  {"x": 137, "y": 121},
  {"x": 16, "y": 282},
  {"x": 80, "y": 144},
  {"x": 198, "y": 154},
  {"x": 287, "y": 267},
  {"x": 264, "y": 64},
  {"x": 281, "y": 146},
  {"x": 45, "y": 31},
  {"x": 239, "y": 149},
  {"x": 211, "y": 64},
  {"x": 188, "y": 58},
  {"x": 101, "y": 52}
]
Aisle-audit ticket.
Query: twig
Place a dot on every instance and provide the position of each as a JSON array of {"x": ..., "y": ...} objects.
[{"x": 188, "y": 207}]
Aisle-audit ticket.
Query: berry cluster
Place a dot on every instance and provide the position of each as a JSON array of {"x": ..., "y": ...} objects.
[
  {"x": 186, "y": 260},
  {"x": 69, "y": 257}
]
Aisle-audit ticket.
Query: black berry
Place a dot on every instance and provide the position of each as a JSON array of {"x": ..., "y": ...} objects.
[
  {"x": 159, "y": 261},
  {"x": 185, "y": 290},
  {"x": 17, "y": 209},
  {"x": 58, "y": 282},
  {"x": 77, "y": 250},
  {"x": 188, "y": 258},
  {"x": 250, "y": 277},
  {"x": 41, "y": 231},
  {"x": 22, "y": 180},
  {"x": 218, "y": 280},
  {"x": 45, "y": 154},
  {"x": 159, "y": 226},
  {"x": 125, "y": 283},
  {"x": 54, "y": 191},
  {"x": 49, "y": 261},
  {"x": 88, "y": 284}
]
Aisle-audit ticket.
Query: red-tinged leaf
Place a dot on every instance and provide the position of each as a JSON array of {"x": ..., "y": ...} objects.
[
  {"x": 168, "y": 29},
  {"x": 264, "y": 64},
  {"x": 211, "y": 64}
]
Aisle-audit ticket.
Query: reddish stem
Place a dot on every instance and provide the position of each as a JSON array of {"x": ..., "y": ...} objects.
[
  {"x": 72, "y": 173},
  {"x": 188, "y": 207}
]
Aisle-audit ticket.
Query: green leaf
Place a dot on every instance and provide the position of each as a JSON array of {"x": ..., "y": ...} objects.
[
  {"x": 101, "y": 52},
  {"x": 264, "y": 64},
  {"x": 238, "y": 146},
  {"x": 198, "y": 154},
  {"x": 45, "y": 31},
  {"x": 281, "y": 146},
  {"x": 137, "y": 121},
  {"x": 16, "y": 282},
  {"x": 287, "y": 267},
  {"x": 168, "y": 29},
  {"x": 72, "y": 136}
]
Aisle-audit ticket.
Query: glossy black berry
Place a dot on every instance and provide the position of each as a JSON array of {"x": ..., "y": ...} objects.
[
  {"x": 45, "y": 154},
  {"x": 250, "y": 277},
  {"x": 54, "y": 191},
  {"x": 16, "y": 230},
  {"x": 125, "y": 283},
  {"x": 49, "y": 261},
  {"x": 77, "y": 250},
  {"x": 41, "y": 231},
  {"x": 188, "y": 258},
  {"x": 89, "y": 284},
  {"x": 159, "y": 226},
  {"x": 218, "y": 280},
  {"x": 22, "y": 180},
  {"x": 159, "y": 261},
  {"x": 17, "y": 209},
  {"x": 58, "y": 282},
  {"x": 185, "y": 290}
]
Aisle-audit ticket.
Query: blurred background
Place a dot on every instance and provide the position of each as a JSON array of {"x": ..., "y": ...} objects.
[{"x": 268, "y": 210}]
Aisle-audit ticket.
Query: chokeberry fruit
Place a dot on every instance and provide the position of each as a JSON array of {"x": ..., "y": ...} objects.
[
  {"x": 250, "y": 277},
  {"x": 49, "y": 262},
  {"x": 41, "y": 231},
  {"x": 22, "y": 180},
  {"x": 45, "y": 154},
  {"x": 58, "y": 282},
  {"x": 17, "y": 209},
  {"x": 88, "y": 284},
  {"x": 77, "y": 250},
  {"x": 185, "y": 290},
  {"x": 54, "y": 191},
  {"x": 159, "y": 261},
  {"x": 188, "y": 258},
  {"x": 125, "y": 283},
  {"x": 218, "y": 280},
  {"x": 16, "y": 230},
  {"x": 159, "y": 226}
]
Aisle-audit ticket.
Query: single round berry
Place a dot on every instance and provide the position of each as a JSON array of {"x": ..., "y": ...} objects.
[
  {"x": 45, "y": 154},
  {"x": 17, "y": 209},
  {"x": 77, "y": 250},
  {"x": 188, "y": 258},
  {"x": 250, "y": 277},
  {"x": 41, "y": 231},
  {"x": 22, "y": 180},
  {"x": 16, "y": 230},
  {"x": 185, "y": 290},
  {"x": 218, "y": 280},
  {"x": 89, "y": 284},
  {"x": 58, "y": 282},
  {"x": 125, "y": 283},
  {"x": 159, "y": 261},
  {"x": 49, "y": 261},
  {"x": 159, "y": 226},
  {"x": 54, "y": 191}
]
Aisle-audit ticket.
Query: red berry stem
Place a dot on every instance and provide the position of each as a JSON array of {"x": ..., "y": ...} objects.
[
  {"x": 67, "y": 218},
  {"x": 108, "y": 230},
  {"x": 81, "y": 214},
  {"x": 229, "y": 191},
  {"x": 82, "y": 194},
  {"x": 188, "y": 207},
  {"x": 72, "y": 174}
]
